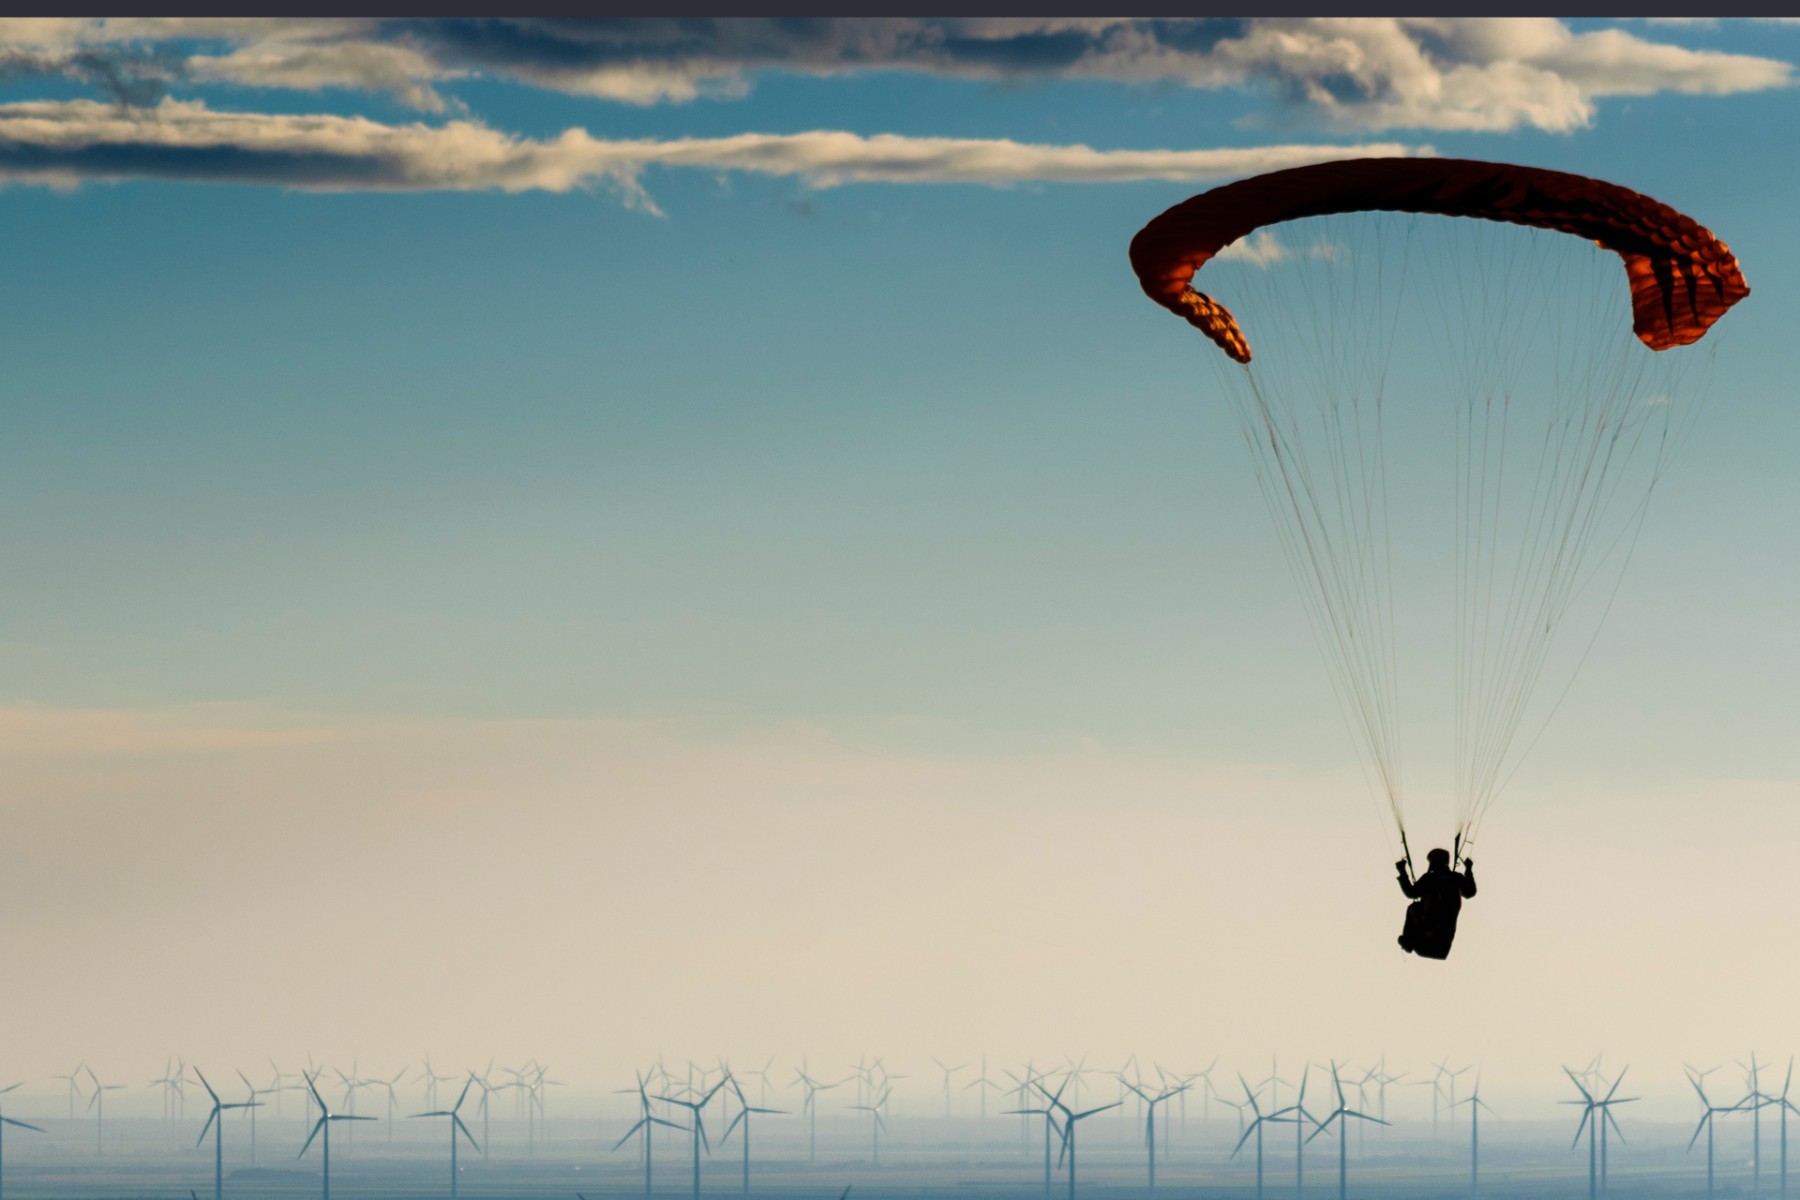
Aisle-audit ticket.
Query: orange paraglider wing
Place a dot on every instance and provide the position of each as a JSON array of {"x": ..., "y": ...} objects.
[{"x": 1682, "y": 278}]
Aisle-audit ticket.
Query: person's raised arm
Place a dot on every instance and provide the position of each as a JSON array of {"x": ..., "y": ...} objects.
[{"x": 1468, "y": 878}]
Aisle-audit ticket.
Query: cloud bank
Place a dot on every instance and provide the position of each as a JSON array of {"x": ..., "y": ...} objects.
[
  {"x": 1359, "y": 75},
  {"x": 65, "y": 143}
]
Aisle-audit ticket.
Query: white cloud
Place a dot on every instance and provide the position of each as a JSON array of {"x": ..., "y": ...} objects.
[
  {"x": 1364, "y": 74},
  {"x": 1259, "y": 249},
  {"x": 64, "y": 143},
  {"x": 312, "y": 66},
  {"x": 1262, "y": 249}
]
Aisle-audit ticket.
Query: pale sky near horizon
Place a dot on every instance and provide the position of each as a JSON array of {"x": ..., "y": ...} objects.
[{"x": 588, "y": 541}]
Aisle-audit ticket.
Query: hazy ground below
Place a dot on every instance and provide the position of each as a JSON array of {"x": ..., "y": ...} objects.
[{"x": 918, "y": 1156}]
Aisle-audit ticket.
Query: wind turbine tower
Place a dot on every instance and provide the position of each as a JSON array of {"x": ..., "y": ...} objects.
[
  {"x": 1755, "y": 1101},
  {"x": 1341, "y": 1114},
  {"x": 1707, "y": 1110},
  {"x": 215, "y": 1121},
  {"x": 1068, "y": 1123},
  {"x": 1476, "y": 1104},
  {"x": 1150, "y": 1103},
  {"x": 647, "y": 1123},
  {"x": 73, "y": 1079},
  {"x": 699, "y": 1127},
  {"x": 1050, "y": 1126},
  {"x": 743, "y": 1118},
  {"x": 1596, "y": 1115},
  {"x": 981, "y": 1083},
  {"x": 877, "y": 1125},
  {"x": 254, "y": 1093},
  {"x": 97, "y": 1102},
  {"x": 323, "y": 1126},
  {"x": 809, "y": 1105},
  {"x": 456, "y": 1127},
  {"x": 1298, "y": 1114},
  {"x": 948, "y": 1072},
  {"x": 1785, "y": 1106},
  {"x": 1256, "y": 1126}
]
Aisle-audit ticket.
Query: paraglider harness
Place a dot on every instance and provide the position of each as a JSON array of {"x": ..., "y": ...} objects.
[{"x": 1430, "y": 921}]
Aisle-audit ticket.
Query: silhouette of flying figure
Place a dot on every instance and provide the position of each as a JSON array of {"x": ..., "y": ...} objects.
[{"x": 1437, "y": 898}]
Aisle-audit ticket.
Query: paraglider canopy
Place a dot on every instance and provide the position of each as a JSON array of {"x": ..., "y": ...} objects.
[
  {"x": 1682, "y": 278},
  {"x": 1465, "y": 385}
]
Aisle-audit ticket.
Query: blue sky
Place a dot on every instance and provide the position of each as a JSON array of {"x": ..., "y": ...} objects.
[{"x": 357, "y": 407}]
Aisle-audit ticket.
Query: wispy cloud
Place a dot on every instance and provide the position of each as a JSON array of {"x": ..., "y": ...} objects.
[
  {"x": 64, "y": 143},
  {"x": 1263, "y": 249},
  {"x": 1360, "y": 74}
]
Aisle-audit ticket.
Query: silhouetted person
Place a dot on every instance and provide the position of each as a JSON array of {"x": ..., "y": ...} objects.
[{"x": 1437, "y": 898}]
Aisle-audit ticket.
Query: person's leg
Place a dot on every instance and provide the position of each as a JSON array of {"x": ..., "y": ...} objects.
[{"x": 1409, "y": 934}]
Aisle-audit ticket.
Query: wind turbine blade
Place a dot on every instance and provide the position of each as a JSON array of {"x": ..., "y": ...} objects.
[
  {"x": 458, "y": 1121},
  {"x": 317, "y": 1125},
  {"x": 210, "y": 1117},
  {"x": 21, "y": 1124},
  {"x": 641, "y": 1123}
]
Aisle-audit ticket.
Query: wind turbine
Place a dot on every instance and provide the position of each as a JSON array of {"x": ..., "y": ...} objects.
[
  {"x": 215, "y": 1121},
  {"x": 1476, "y": 1104},
  {"x": 1075, "y": 1070},
  {"x": 647, "y": 1123},
  {"x": 1150, "y": 1103},
  {"x": 1445, "y": 1068},
  {"x": 1786, "y": 1106},
  {"x": 1708, "y": 1108},
  {"x": 1256, "y": 1127},
  {"x": 1205, "y": 1078},
  {"x": 699, "y": 1128},
  {"x": 97, "y": 1102},
  {"x": 1599, "y": 1112},
  {"x": 487, "y": 1090},
  {"x": 73, "y": 1077},
  {"x": 1341, "y": 1114},
  {"x": 877, "y": 1125},
  {"x": 1069, "y": 1121},
  {"x": 1021, "y": 1090},
  {"x": 1382, "y": 1079},
  {"x": 948, "y": 1072},
  {"x": 1755, "y": 1102},
  {"x": 254, "y": 1093},
  {"x": 1050, "y": 1126},
  {"x": 810, "y": 1107},
  {"x": 743, "y": 1117},
  {"x": 352, "y": 1083},
  {"x": 166, "y": 1081},
  {"x": 982, "y": 1083},
  {"x": 431, "y": 1079},
  {"x": 1273, "y": 1082},
  {"x": 761, "y": 1075},
  {"x": 4, "y": 1122},
  {"x": 1300, "y": 1116},
  {"x": 389, "y": 1085},
  {"x": 456, "y": 1127},
  {"x": 323, "y": 1125}
]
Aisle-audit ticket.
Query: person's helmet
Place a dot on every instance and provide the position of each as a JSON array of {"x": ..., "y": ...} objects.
[{"x": 1438, "y": 858}]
